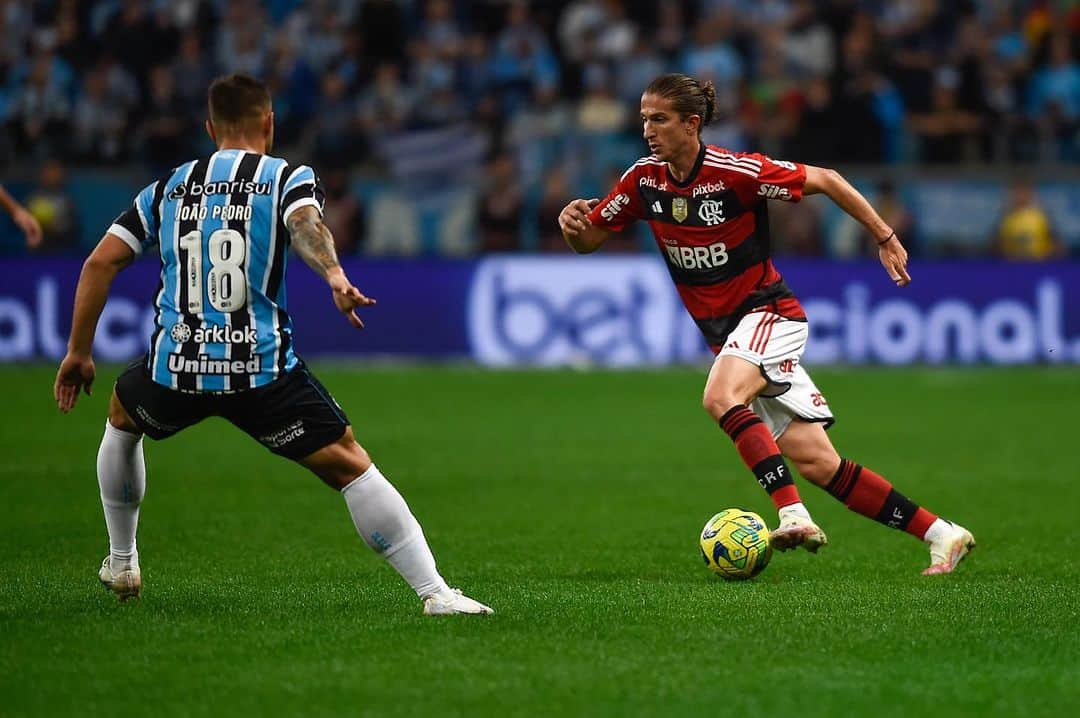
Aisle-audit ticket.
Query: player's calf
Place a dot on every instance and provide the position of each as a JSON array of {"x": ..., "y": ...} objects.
[{"x": 759, "y": 452}]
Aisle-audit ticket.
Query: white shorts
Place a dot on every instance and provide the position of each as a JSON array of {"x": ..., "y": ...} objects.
[{"x": 775, "y": 345}]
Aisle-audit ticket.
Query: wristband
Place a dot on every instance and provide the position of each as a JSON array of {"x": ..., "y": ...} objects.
[{"x": 886, "y": 240}]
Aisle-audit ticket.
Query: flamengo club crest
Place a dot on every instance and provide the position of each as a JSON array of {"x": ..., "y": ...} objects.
[{"x": 678, "y": 208}]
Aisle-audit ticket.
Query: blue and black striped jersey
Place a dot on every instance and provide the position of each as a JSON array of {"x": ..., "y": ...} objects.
[{"x": 221, "y": 323}]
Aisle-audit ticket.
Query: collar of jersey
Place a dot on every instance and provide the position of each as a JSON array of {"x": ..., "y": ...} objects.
[{"x": 693, "y": 172}]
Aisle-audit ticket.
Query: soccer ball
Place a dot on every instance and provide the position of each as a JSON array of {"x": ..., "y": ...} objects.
[{"x": 735, "y": 544}]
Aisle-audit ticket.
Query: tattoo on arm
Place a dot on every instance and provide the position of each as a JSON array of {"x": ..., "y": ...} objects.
[{"x": 312, "y": 240}]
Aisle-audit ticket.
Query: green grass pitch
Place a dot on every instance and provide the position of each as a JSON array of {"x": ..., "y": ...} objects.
[{"x": 571, "y": 502}]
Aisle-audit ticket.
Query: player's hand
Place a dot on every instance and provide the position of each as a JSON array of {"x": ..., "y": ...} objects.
[
  {"x": 29, "y": 226},
  {"x": 76, "y": 372},
  {"x": 574, "y": 219},
  {"x": 347, "y": 297},
  {"x": 893, "y": 257}
]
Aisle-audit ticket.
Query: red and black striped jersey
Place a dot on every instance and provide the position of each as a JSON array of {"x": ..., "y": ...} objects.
[{"x": 713, "y": 231}]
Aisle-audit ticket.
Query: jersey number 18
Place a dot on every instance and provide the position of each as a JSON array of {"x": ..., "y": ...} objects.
[{"x": 226, "y": 283}]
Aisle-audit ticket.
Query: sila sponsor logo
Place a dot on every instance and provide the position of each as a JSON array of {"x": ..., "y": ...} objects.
[
  {"x": 213, "y": 334},
  {"x": 205, "y": 364},
  {"x": 708, "y": 188},
  {"x": 615, "y": 206}
]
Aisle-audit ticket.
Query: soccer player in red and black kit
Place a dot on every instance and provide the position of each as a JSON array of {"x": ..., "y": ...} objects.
[{"x": 707, "y": 210}]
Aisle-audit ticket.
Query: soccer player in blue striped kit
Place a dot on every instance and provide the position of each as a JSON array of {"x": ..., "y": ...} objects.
[{"x": 222, "y": 343}]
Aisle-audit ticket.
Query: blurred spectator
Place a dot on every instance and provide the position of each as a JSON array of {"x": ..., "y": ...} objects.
[
  {"x": 854, "y": 241},
  {"x": 796, "y": 228},
  {"x": 337, "y": 126},
  {"x": 501, "y": 203},
  {"x": 51, "y": 205},
  {"x": 99, "y": 121},
  {"x": 418, "y": 92},
  {"x": 165, "y": 129},
  {"x": 670, "y": 33},
  {"x": 40, "y": 113},
  {"x": 814, "y": 140},
  {"x": 386, "y": 105},
  {"x": 600, "y": 112},
  {"x": 808, "y": 45},
  {"x": 242, "y": 41},
  {"x": 1025, "y": 232},
  {"x": 522, "y": 59},
  {"x": 638, "y": 69},
  {"x": 947, "y": 132},
  {"x": 711, "y": 56},
  {"x": 1054, "y": 99},
  {"x": 556, "y": 193},
  {"x": 192, "y": 72},
  {"x": 342, "y": 216}
]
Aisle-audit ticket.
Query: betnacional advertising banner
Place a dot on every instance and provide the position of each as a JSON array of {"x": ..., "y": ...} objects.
[{"x": 614, "y": 311}]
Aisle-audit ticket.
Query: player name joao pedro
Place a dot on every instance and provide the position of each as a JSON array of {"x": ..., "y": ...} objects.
[{"x": 228, "y": 212}]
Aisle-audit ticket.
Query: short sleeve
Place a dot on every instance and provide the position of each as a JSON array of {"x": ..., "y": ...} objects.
[
  {"x": 137, "y": 226},
  {"x": 771, "y": 179},
  {"x": 621, "y": 207},
  {"x": 302, "y": 188}
]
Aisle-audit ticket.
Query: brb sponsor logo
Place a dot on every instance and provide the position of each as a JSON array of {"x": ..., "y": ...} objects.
[
  {"x": 710, "y": 257},
  {"x": 611, "y": 311},
  {"x": 612, "y": 208}
]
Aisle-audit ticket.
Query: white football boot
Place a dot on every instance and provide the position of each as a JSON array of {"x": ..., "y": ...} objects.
[
  {"x": 125, "y": 584},
  {"x": 948, "y": 547},
  {"x": 450, "y": 601},
  {"x": 796, "y": 530}
]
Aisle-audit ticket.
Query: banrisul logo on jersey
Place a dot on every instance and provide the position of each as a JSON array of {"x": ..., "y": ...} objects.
[{"x": 193, "y": 189}]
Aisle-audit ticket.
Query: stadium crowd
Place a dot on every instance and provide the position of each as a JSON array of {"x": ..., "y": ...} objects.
[{"x": 528, "y": 103}]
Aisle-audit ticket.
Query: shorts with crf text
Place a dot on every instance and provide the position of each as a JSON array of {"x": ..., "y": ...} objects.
[
  {"x": 293, "y": 416},
  {"x": 775, "y": 344}
]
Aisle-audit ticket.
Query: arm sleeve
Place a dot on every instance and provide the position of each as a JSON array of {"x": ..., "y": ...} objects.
[
  {"x": 766, "y": 178},
  {"x": 621, "y": 207},
  {"x": 137, "y": 226},
  {"x": 302, "y": 188}
]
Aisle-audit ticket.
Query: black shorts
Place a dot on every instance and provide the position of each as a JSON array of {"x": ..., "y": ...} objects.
[{"x": 293, "y": 416}]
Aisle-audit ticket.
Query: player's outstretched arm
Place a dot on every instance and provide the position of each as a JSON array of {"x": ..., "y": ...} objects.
[
  {"x": 76, "y": 371},
  {"x": 891, "y": 252},
  {"x": 315, "y": 245},
  {"x": 22, "y": 218},
  {"x": 581, "y": 234}
]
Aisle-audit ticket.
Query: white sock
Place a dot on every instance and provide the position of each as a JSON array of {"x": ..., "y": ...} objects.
[
  {"x": 937, "y": 530},
  {"x": 383, "y": 520},
  {"x": 797, "y": 509},
  {"x": 121, "y": 473}
]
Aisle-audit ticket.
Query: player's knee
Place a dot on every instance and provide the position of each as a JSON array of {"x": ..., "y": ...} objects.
[
  {"x": 717, "y": 403},
  {"x": 350, "y": 461},
  {"x": 119, "y": 417}
]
